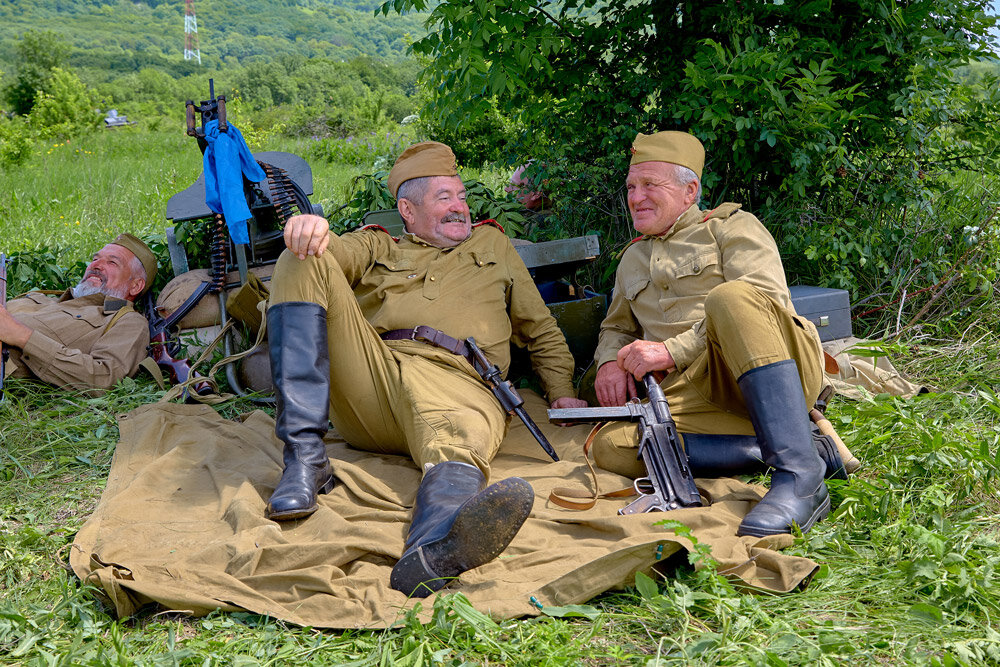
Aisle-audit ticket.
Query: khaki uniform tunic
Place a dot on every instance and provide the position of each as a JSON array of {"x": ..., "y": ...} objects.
[
  {"x": 408, "y": 397},
  {"x": 72, "y": 344},
  {"x": 713, "y": 289}
]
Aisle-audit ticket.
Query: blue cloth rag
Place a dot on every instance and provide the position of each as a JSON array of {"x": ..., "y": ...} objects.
[{"x": 227, "y": 160}]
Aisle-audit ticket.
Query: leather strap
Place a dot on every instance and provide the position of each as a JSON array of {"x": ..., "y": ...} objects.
[
  {"x": 562, "y": 495},
  {"x": 431, "y": 336}
]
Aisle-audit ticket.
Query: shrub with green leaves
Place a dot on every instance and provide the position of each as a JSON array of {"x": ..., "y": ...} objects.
[
  {"x": 16, "y": 142},
  {"x": 65, "y": 107},
  {"x": 364, "y": 149}
]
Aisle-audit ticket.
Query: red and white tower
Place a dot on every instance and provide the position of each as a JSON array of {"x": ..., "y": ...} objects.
[{"x": 191, "y": 51}]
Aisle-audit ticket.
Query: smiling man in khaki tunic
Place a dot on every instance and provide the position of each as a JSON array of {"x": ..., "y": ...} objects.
[
  {"x": 90, "y": 337},
  {"x": 701, "y": 299},
  {"x": 369, "y": 331}
]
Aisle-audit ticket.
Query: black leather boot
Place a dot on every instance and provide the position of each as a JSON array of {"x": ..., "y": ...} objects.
[
  {"x": 798, "y": 495},
  {"x": 458, "y": 525},
  {"x": 727, "y": 455},
  {"x": 300, "y": 366}
]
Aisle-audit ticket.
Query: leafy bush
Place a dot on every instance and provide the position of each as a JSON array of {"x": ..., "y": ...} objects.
[
  {"x": 485, "y": 137},
  {"x": 363, "y": 150},
  {"x": 16, "y": 142},
  {"x": 65, "y": 108},
  {"x": 38, "y": 53},
  {"x": 42, "y": 269}
]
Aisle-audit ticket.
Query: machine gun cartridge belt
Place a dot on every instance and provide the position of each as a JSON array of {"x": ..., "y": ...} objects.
[{"x": 432, "y": 336}]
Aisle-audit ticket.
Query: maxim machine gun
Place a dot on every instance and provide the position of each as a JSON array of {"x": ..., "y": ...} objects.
[
  {"x": 247, "y": 199},
  {"x": 669, "y": 483}
]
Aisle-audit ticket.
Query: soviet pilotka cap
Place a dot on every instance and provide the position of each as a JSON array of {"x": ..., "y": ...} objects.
[
  {"x": 428, "y": 158},
  {"x": 142, "y": 251},
  {"x": 675, "y": 147}
]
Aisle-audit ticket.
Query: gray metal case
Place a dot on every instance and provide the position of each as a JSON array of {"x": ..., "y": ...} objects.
[{"x": 829, "y": 309}]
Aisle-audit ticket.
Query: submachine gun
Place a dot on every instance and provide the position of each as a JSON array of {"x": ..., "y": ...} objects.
[
  {"x": 284, "y": 193},
  {"x": 669, "y": 483}
]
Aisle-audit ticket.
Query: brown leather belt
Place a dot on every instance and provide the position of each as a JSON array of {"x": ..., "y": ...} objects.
[{"x": 431, "y": 336}]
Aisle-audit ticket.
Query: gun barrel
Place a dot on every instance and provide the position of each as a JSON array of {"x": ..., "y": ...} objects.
[{"x": 629, "y": 412}]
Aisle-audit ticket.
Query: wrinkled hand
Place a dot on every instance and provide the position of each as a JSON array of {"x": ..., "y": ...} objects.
[
  {"x": 12, "y": 332},
  {"x": 613, "y": 385},
  {"x": 645, "y": 356},
  {"x": 568, "y": 402},
  {"x": 307, "y": 235}
]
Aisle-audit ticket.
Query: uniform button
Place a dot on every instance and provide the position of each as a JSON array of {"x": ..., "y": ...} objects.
[
  {"x": 432, "y": 278},
  {"x": 412, "y": 275}
]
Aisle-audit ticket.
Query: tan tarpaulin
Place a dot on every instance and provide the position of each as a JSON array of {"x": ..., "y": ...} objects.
[
  {"x": 874, "y": 374},
  {"x": 181, "y": 523}
]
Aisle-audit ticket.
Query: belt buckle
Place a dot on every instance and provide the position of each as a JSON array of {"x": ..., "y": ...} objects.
[{"x": 413, "y": 334}]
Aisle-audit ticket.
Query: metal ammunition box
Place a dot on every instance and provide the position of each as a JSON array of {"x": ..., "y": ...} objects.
[{"x": 829, "y": 309}]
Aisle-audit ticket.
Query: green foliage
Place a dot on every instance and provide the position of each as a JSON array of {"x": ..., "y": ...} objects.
[
  {"x": 64, "y": 108},
  {"x": 16, "y": 142},
  {"x": 372, "y": 149},
  {"x": 38, "y": 54},
  {"x": 109, "y": 38},
  {"x": 481, "y": 138},
  {"x": 42, "y": 270}
]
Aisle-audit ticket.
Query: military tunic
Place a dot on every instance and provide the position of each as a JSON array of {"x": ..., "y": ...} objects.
[
  {"x": 406, "y": 396},
  {"x": 72, "y": 344},
  {"x": 662, "y": 289}
]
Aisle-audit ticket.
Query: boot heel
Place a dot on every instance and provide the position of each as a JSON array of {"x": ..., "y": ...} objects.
[{"x": 327, "y": 486}]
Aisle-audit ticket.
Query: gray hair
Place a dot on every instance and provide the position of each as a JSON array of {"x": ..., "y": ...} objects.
[
  {"x": 138, "y": 270},
  {"x": 683, "y": 176},
  {"x": 413, "y": 189}
]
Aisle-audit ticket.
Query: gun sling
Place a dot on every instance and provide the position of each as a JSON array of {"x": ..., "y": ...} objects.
[{"x": 431, "y": 336}]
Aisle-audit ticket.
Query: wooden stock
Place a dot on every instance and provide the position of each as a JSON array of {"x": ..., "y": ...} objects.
[
  {"x": 851, "y": 462},
  {"x": 179, "y": 370}
]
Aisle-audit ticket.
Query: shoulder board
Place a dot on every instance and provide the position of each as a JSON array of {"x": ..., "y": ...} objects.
[
  {"x": 379, "y": 228},
  {"x": 491, "y": 221},
  {"x": 722, "y": 212},
  {"x": 637, "y": 239}
]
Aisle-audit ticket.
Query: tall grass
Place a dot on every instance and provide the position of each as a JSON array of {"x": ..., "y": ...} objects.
[{"x": 910, "y": 555}]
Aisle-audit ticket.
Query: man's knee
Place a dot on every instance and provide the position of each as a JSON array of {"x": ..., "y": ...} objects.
[
  {"x": 616, "y": 449},
  {"x": 306, "y": 279},
  {"x": 731, "y": 301}
]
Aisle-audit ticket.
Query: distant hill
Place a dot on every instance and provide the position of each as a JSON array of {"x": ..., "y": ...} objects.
[{"x": 118, "y": 36}]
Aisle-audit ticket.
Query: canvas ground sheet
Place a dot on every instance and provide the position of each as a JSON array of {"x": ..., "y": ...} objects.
[{"x": 181, "y": 526}]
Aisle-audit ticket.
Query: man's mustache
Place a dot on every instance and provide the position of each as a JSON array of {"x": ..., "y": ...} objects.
[
  {"x": 96, "y": 273},
  {"x": 453, "y": 217}
]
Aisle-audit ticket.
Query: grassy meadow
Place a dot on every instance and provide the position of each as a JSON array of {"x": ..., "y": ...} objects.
[{"x": 910, "y": 555}]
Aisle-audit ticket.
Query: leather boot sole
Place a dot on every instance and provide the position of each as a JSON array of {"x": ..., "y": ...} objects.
[
  {"x": 761, "y": 531},
  {"x": 483, "y": 528},
  {"x": 299, "y": 512}
]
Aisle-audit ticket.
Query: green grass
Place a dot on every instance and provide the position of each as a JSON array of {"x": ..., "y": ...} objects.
[{"x": 910, "y": 555}]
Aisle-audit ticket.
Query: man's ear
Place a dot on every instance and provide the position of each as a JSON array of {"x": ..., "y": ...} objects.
[
  {"x": 691, "y": 192},
  {"x": 405, "y": 207},
  {"x": 135, "y": 288}
]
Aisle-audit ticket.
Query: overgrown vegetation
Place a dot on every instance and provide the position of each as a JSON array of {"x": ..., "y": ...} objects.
[{"x": 910, "y": 555}]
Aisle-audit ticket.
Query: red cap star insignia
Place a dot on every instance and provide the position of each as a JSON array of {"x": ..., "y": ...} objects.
[{"x": 632, "y": 150}]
